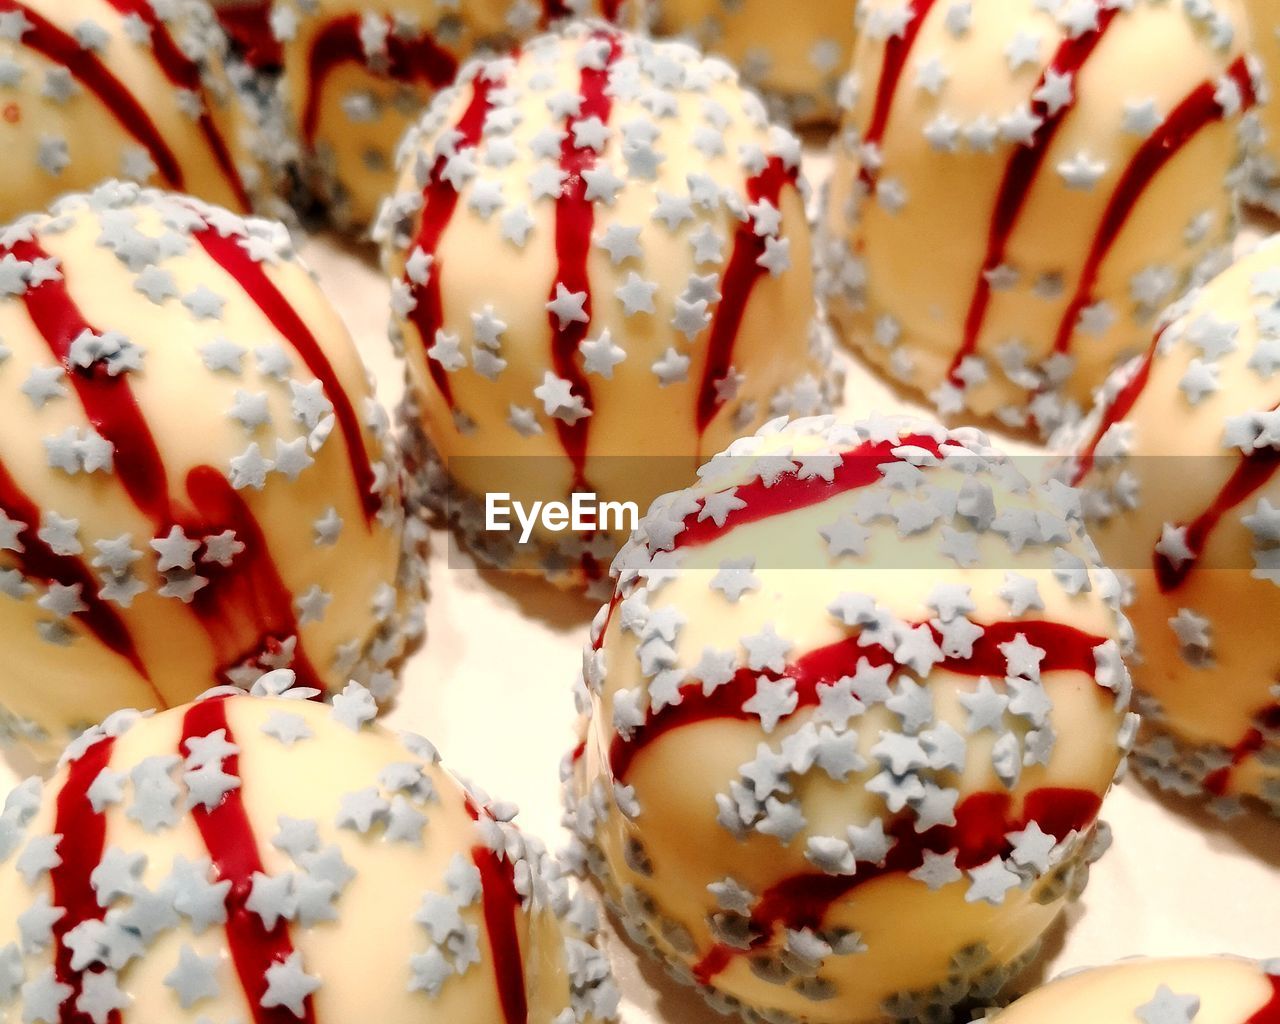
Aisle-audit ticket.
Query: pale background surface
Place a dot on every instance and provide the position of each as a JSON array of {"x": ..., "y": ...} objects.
[{"x": 491, "y": 687}]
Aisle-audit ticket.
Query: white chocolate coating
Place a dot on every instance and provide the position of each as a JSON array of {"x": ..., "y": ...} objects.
[
  {"x": 1204, "y": 595},
  {"x": 273, "y": 860},
  {"x": 1263, "y": 186},
  {"x": 622, "y": 272},
  {"x": 351, "y": 112},
  {"x": 1206, "y": 990},
  {"x": 796, "y": 57},
  {"x": 886, "y": 693},
  {"x": 200, "y": 487},
  {"x": 1019, "y": 192},
  {"x": 99, "y": 89}
]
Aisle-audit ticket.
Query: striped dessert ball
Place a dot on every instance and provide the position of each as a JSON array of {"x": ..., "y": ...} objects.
[
  {"x": 1020, "y": 187},
  {"x": 601, "y": 273},
  {"x": 796, "y": 58},
  {"x": 98, "y": 89},
  {"x": 851, "y": 715},
  {"x": 196, "y": 483},
  {"x": 1263, "y": 184},
  {"x": 273, "y": 860},
  {"x": 1205, "y": 990},
  {"x": 1180, "y": 476},
  {"x": 356, "y": 73}
]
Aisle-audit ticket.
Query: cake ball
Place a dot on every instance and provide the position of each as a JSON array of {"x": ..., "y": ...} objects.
[
  {"x": 852, "y": 712},
  {"x": 1179, "y": 474},
  {"x": 357, "y": 73},
  {"x": 196, "y": 483},
  {"x": 99, "y": 89},
  {"x": 601, "y": 274},
  {"x": 273, "y": 860},
  {"x": 796, "y": 59},
  {"x": 1207, "y": 990},
  {"x": 1262, "y": 186},
  {"x": 1020, "y": 188}
]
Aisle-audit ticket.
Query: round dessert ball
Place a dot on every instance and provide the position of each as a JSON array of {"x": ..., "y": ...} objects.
[
  {"x": 1206, "y": 990},
  {"x": 852, "y": 713},
  {"x": 357, "y": 74},
  {"x": 1180, "y": 475},
  {"x": 99, "y": 89},
  {"x": 1018, "y": 193},
  {"x": 601, "y": 274},
  {"x": 1263, "y": 184},
  {"x": 273, "y": 860},
  {"x": 196, "y": 483},
  {"x": 796, "y": 58}
]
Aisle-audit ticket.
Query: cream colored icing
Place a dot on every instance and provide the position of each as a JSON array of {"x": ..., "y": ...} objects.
[
  {"x": 1227, "y": 990},
  {"x": 797, "y": 58}
]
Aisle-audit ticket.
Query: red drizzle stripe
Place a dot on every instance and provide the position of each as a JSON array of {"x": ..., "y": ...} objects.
[
  {"x": 248, "y": 600},
  {"x": 1021, "y": 173},
  {"x": 440, "y": 202},
  {"x": 39, "y": 561},
  {"x": 108, "y": 401},
  {"x": 575, "y": 220},
  {"x": 1218, "y": 782},
  {"x": 1252, "y": 474},
  {"x": 248, "y": 23},
  {"x": 416, "y": 59},
  {"x": 246, "y": 604},
  {"x": 83, "y": 842},
  {"x": 184, "y": 73},
  {"x": 229, "y": 253},
  {"x": 982, "y": 822},
  {"x": 501, "y": 914},
  {"x": 1066, "y": 648},
  {"x": 896, "y": 52},
  {"x": 1270, "y": 1013},
  {"x": 859, "y": 467},
  {"x": 1195, "y": 113},
  {"x": 51, "y": 42},
  {"x": 1120, "y": 407},
  {"x": 228, "y": 836},
  {"x": 740, "y": 279}
]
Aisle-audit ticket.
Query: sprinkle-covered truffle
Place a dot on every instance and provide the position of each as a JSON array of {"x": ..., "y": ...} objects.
[
  {"x": 273, "y": 860},
  {"x": 196, "y": 482},
  {"x": 863, "y": 787},
  {"x": 1020, "y": 188},
  {"x": 127, "y": 89},
  {"x": 1208, "y": 990},
  {"x": 796, "y": 59},
  {"x": 598, "y": 250},
  {"x": 1179, "y": 472}
]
